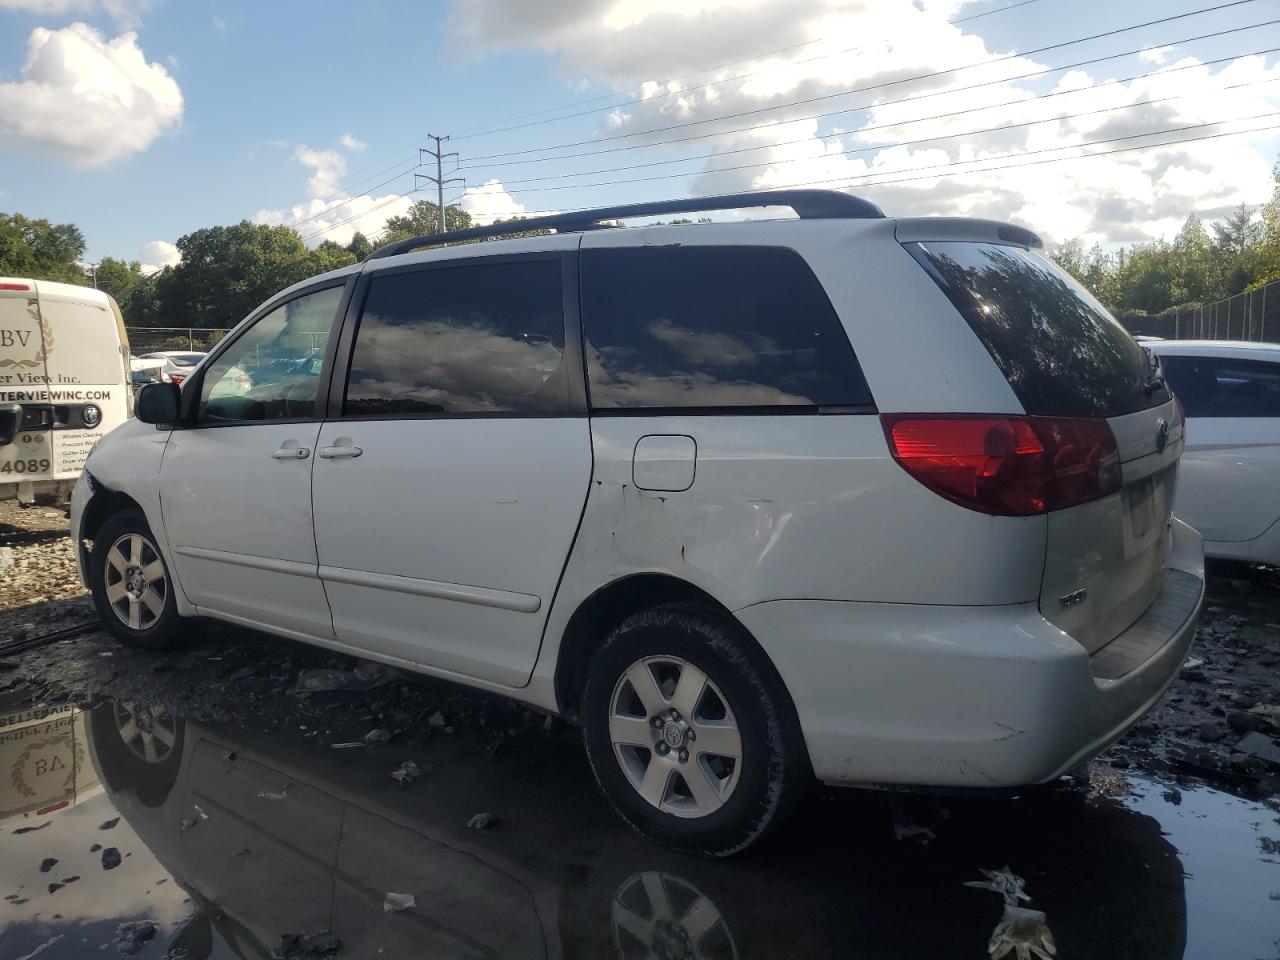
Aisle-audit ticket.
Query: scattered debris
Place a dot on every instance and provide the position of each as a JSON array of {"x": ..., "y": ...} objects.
[
  {"x": 1023, "y": 932},
  {"x": 395, "y": 902},
  {"x": 406, "y": 773},
  {"x": 1004, "y": 882},
  {"x": 271, "y": 795},
  {"x": 95, "y": 848},
  {"x": 904, "y": 829},
  {"x": 482, "y": 821},
  {"x": 348, "y": 745},
  {"x": 108, "y": 824},
  {"x": 131, "y": 937},
  {"x": 55, "y": 887},
  {"x": 436, "y": 720},
  {"x": 22, "y": 830},
  {"x": 1259, "y": 745},
  {"x": 377, "y": 735},
  {"x": 366, "y": 675},
  {"x": 1173, "y": 795},
  {"x": 307, "y": 946},
  {"x": 42, "y": 948},
  {"x": 48, "y": 863},
  {"x": 199, "y": 811},
  {"x": 244, "y": 673},
  {"x": 110, "y": 858}
]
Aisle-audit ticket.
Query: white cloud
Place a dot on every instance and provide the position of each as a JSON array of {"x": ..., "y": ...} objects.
[
  {"x": 352, "y": 143},
  {"x": 88, "y": 99},
  {"x": 157, "y": 255},
  {"x": 338, "y": 220},
  {"x": 877, "y": 46},
  {"x": 126, "y": 13},
  {"x": 328, "y": 167},
  {"x": 490, "y": 202}
]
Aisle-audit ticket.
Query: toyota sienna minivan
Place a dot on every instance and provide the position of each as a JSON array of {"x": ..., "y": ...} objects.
[{"x": 876, "y": 501}]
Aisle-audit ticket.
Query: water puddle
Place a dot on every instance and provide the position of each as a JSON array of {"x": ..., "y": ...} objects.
[{"x": 219, "y": 842}]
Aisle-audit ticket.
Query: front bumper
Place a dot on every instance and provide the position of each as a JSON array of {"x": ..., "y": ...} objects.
[
  {"x": 80, "y": 495},
  {"x": 937, "y": 696}
]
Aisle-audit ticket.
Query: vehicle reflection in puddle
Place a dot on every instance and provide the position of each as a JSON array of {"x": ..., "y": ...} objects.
[{"x": 246, "y": 844}]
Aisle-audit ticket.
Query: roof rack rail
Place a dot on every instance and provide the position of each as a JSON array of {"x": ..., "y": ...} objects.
[{"x": 807, "y": 204}]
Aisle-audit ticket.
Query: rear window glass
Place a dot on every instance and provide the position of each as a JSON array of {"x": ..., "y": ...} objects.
[
  {"x": 1223, "y": 387},
  {"x": 704, "y": 327},
  {"x": 468, "y": 338},
  {"x": 1061, "y": 351}
]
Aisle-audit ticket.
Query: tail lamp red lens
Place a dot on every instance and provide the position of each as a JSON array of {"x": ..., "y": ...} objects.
[{"x": 1007, "y": 465}]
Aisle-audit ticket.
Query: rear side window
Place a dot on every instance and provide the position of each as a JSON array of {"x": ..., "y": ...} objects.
[
  {"x": 474, "y": 338},
  {"x": 705, "y": 327},
  {"x": 1061, "y": 351},
  {"x": 1222, "y": 387}
]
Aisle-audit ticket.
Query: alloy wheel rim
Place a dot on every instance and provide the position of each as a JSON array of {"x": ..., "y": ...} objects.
[
  {"x": 675, "y": 736},
  {"x": 146, "y": 733},
  {"x": 661, "y": 916},
  {"x": 135, "y": 580}
]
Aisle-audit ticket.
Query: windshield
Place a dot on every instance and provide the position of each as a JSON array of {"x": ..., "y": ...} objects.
[{"x": 1061, "y": 351}]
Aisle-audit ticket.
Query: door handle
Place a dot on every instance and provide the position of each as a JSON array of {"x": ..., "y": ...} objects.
[
  {"x": 291, "y": 453},
  {"x": 335, "y": 453}
]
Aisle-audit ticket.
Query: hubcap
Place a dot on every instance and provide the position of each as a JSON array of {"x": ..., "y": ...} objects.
[
  {"x": 663, "y": 917},
  {"x": 136, "y": 584},
  {"x": 148, "y": 733},
  {"x": 675, "y": 736}
]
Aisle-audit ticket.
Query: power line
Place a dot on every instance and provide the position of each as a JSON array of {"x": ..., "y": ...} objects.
[
  {"x": 923, "y": 76},
  {"x": 886, "y": 146},
  {"x": 711, "y": 83},
  {"x": 832, "y": 182},
  {"x": 349, "y": 186},
  {"x": 902, "y": 123},
  {"x": 909, "y": 99}
]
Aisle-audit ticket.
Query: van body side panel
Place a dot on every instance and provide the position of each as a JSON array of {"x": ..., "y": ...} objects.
[{"x": 87, "y": 368}]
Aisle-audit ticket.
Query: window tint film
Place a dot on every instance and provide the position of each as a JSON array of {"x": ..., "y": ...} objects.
[
  {"x": 713, "y": 327},
  {"x": 272, "y": 371},
  {"x": 1222, "y": 387},
  {"x": 466, "y": 339},
  {"x": 1061, "y": 351}
]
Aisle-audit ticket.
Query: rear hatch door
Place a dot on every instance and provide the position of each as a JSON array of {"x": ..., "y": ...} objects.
[{"x": 1064, "y": 355}]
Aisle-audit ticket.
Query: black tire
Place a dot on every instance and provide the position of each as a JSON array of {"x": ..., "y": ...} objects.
[
  {"x": 156, "y": 630},
  {"x": 149, "y": 771},
  {"x": 773, "y": 771}
]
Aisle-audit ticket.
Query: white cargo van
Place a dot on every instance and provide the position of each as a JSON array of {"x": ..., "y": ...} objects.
[{"x": 64, "y": 382}]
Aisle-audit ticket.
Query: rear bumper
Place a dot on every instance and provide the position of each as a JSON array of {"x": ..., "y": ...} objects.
[{"x": 906, "y": 695}]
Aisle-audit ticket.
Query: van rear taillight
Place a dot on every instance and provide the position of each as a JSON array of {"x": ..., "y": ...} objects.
[
  {"x": 1011, "y": 466},
  {"x": 14, "y": 286}
]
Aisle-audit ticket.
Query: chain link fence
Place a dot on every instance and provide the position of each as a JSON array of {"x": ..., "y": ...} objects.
[
  {"x": 1246, "y": 316},
  {"x": 154, "y": 339}
]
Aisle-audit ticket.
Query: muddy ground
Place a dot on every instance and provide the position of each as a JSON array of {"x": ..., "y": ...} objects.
[
  {"x": 1168, "y": 847},
  {"x": 1229, "y": 690}
]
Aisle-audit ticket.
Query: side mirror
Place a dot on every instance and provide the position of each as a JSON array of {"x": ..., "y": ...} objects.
[{"x": 157, "y": 403}]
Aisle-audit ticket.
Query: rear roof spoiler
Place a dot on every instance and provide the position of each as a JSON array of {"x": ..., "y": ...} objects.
[{"x": 912, "y": 229}]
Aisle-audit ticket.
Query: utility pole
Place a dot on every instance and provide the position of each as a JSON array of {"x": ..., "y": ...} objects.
[{"x": 439, "y": 179}]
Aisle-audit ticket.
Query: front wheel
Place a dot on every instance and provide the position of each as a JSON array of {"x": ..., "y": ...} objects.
[
  {"x": 690, "y": 736},
  {"x": 131, "y": 586}
]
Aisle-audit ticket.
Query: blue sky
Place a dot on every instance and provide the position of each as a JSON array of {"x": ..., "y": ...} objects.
[{"x": 267, "y": 92}]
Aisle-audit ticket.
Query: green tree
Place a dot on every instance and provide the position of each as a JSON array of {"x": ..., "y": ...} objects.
[
  {"x": 40, "y": 249},
  {"x": 360, "y": 246},
  {"x": 423, "y": 218},
  {"x": 117, "y": 277}
]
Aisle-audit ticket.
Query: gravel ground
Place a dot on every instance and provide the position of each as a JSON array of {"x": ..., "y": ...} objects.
[{"x": 1226, "y": 699}]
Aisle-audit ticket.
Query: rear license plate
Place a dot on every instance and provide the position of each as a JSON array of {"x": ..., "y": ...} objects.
[{"x": 1146, "y": 512}]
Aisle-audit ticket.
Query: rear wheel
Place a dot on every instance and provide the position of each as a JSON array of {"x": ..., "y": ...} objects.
[
  {"x": 690, "y": 736},
  {"x": 130, "y": 582}
]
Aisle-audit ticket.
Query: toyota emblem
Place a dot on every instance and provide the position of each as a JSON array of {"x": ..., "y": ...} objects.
[
  {"x": 90, "y": 415},
  {"x": 1162, "y": 434}
]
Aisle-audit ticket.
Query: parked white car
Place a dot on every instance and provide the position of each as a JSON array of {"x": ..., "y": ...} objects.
[
  {"x": 881, "y": 501},
  {"x": 1229, "y": 487},
  {"x": 175, "y": 365}
]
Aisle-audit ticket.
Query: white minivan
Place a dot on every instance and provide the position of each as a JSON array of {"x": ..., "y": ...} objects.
[
  {"x": 64, "y": 383},
  {"x": 877, "y": 501}
]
